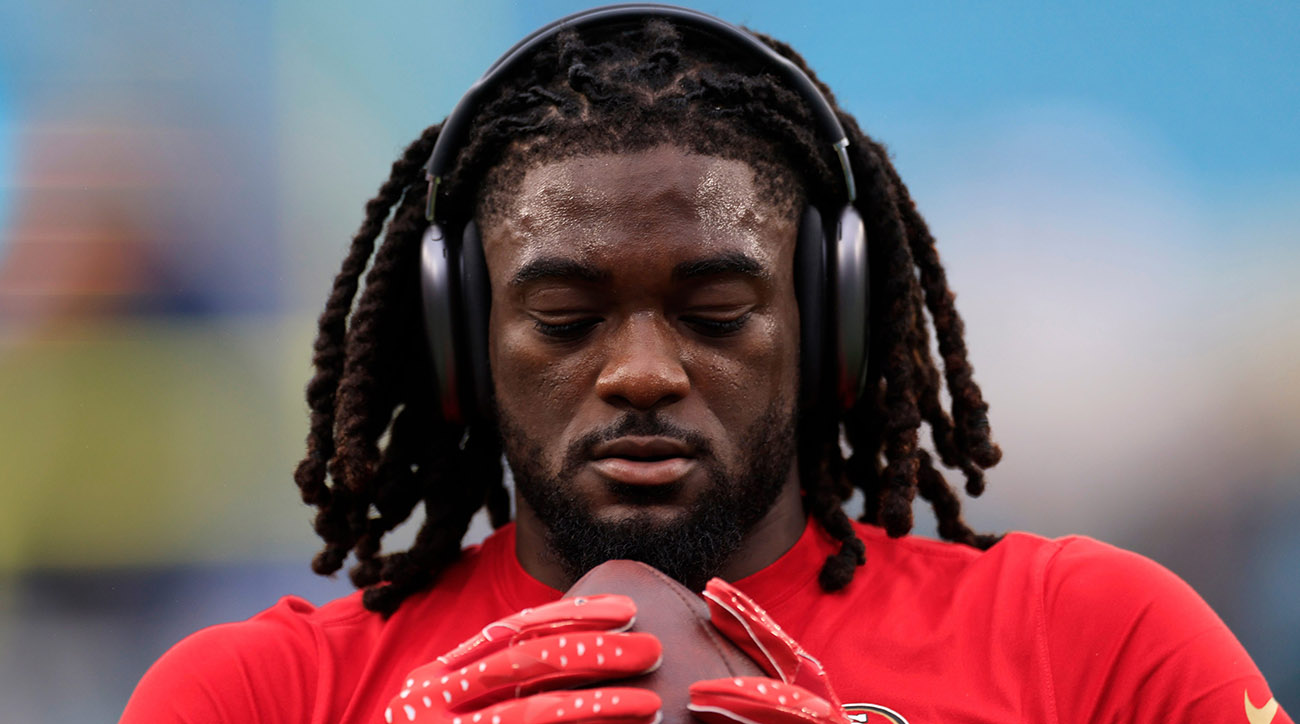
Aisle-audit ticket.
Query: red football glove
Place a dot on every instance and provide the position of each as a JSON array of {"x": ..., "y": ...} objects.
[
  {"x": 506, "y": 673},
  {"x": 799, "y": 691}
]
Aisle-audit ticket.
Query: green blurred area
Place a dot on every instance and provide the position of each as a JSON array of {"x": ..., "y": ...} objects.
[{"x": 151, "y": 441}]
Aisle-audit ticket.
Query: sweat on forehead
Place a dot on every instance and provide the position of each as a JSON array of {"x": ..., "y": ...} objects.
[
  {"x": 777, "y": 185},
  {"x": 724, "y": 193}
]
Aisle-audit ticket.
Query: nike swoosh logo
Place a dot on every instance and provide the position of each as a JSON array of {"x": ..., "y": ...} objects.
[{"x": 1260, "y": 715}]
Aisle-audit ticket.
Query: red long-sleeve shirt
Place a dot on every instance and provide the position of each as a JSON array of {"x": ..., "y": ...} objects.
[{"x": 1033, "y": 630}]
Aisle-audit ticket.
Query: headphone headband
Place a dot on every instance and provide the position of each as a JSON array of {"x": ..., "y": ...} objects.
[{"x": 456, "y": 128}]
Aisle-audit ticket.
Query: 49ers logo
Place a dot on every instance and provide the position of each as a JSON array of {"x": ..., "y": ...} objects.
[{"x": 873, "y": 714}]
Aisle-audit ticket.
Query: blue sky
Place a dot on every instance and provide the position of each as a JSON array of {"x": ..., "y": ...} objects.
[
  {"x": 6, "y": 159},
  {"x": 1217, "y": 82}
]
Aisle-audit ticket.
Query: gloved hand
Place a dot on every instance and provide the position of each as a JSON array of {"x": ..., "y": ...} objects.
[
  {"x": 799, "y": 691},
  {"x": 507, "y": 673}
]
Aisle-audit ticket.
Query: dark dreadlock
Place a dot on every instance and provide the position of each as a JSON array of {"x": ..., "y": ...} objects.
[{"x": 377, "y": 436}]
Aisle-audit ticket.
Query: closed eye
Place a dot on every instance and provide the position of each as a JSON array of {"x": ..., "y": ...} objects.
[
  {"x": 713, "y": 326},
  {"x": 566, "y": 331}
]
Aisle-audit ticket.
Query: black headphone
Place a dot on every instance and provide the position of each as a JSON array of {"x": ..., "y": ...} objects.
[{"x": 454, "y": 275}]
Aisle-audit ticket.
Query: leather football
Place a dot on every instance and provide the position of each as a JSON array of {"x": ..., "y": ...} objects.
[{"x": 692, "y": 649}]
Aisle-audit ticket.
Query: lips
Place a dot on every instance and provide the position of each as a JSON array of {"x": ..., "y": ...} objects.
[{"x": 644, "y": 460}]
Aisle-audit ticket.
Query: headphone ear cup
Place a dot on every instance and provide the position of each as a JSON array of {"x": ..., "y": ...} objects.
[
  {"x": 852, "y": 301},
  {"x": 436, "y": 291},
  {"x": 810, "y": 292},
  {"x": 475, "y": 305}
]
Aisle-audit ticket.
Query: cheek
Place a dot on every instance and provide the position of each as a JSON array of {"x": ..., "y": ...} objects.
[
  {"x": 785, "y": 352},
  {"x": 783, "y": 358},
  {"x": 744, "y": 382},
  {"x": 530, "y": 384},
  {"x": 777, "y": 349}
]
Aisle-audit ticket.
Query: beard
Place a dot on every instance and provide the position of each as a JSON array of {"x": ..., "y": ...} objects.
[{"x": 690, "y": 548}]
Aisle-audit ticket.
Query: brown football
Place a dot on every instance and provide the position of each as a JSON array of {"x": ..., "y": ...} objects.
[{"x": 693, "y": 649}]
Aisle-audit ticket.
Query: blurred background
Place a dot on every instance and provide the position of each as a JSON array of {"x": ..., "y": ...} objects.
[{"x": 1115, "y": 187}]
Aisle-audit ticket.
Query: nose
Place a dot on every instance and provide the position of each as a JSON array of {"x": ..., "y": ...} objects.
[{"x": 643, "y": 366}]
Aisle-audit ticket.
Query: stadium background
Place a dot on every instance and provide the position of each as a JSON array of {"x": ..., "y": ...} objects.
[{"x": 1115, "y": 187}]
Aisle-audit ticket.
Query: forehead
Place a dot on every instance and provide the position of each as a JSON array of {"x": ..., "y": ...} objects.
[{"x": 664, "y": 199}]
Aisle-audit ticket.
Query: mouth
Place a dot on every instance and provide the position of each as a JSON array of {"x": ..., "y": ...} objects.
[{"x": 644, "y": 460}]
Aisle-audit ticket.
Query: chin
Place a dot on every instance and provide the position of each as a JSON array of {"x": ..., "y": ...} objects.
[
  {"x": 688, "y": 528},
  {"x": 689, "y": 543},
  {"x": 641, "y": 517}
]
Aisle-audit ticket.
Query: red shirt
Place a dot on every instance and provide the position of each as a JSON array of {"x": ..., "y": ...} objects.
[{"x": 1033, "y": 630}]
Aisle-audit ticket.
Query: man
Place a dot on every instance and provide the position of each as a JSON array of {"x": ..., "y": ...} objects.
[{"x": 667, "y": 335}]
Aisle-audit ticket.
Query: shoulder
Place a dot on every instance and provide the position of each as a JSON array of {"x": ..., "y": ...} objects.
[
  {"x": 1053, "y": 596},
  {"x": 294, "y": 660},
  {"x": 1085, "y": 583},
  {"x": 1062, "y": 568},
  {"x": 263, "y": 669},
  {"x": 1118, "y": 627},
  {"x": 1079, "y": 571},
  {"x": 1096, "y": 627},
  {"x": 1074, "y": 582}
]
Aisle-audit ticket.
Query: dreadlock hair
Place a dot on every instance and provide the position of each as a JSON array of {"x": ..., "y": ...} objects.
[{"x": 378, "y": 445}]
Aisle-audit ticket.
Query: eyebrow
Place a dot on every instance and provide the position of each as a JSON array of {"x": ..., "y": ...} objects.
[
  {"x": 733, "y": 263},
  {"x": 558, "y": 268}
]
